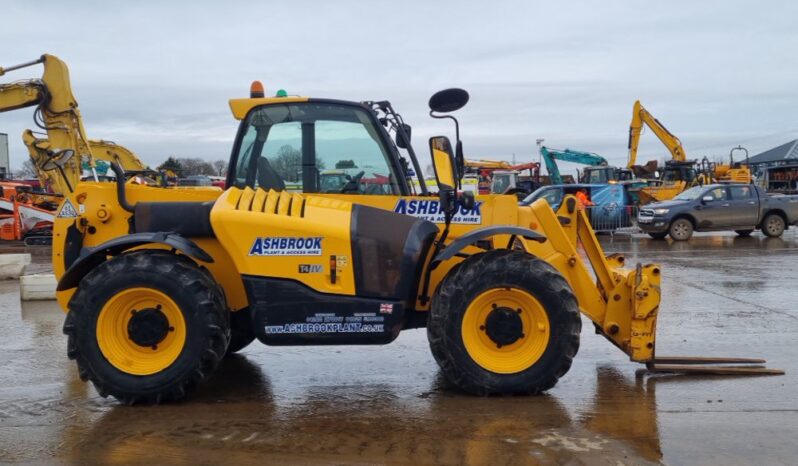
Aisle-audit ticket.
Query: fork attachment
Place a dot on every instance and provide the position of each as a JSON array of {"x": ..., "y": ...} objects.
[{"x": 710, "y": 366}]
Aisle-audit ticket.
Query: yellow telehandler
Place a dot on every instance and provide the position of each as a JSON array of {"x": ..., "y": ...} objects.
[{"x": 159, "y": 284}]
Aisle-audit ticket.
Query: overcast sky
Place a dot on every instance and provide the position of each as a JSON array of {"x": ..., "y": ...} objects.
[{"x": 156, "y": 76}]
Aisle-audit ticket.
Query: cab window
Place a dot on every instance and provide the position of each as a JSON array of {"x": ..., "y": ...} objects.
[
  {"x": 597, "y": 176},
  {"x": 719, "y": 194},
  {"x": 314, "y": 147},
  {"x": 552, "y": 196},
  {"x": 741, "y": 193}
]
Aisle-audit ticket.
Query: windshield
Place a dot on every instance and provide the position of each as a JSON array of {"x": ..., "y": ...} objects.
[
  {"x": 552, "y": 195},
  {"x": 501, "y": 183},
  {"x": 332, "y": 182},
  {"x": 690, "y": 195},
  {"x": 314, "y": 147},
  {"x": 597, "y": 175},
  {"x": 673, "y": 174}
]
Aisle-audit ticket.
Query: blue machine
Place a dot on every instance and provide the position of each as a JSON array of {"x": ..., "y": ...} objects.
[
  {"x": 612, "y": 204},
  {"x": 597, "y": 171}
]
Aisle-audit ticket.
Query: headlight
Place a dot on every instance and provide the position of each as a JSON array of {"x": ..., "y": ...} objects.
[{"x": 660, "y": 211}]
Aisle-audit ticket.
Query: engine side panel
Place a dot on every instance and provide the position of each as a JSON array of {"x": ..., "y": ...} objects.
[
  {"x": 285, "y": 312},
  {"x": 312, "y": 247},
  {"x": 330, "y": 245}
]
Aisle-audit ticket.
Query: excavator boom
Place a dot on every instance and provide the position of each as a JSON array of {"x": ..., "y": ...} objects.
[
  {"x": 550, "y": 156},
  {"x": 60, "y": 157},
  {"x": 488, "y": 164},
  {"x": 640, "y": 117}
]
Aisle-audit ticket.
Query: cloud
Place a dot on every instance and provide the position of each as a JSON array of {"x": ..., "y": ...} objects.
[{"x": 156, "y": 76}]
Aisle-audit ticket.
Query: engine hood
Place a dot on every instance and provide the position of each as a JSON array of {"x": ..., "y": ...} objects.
[{"x": 664, "y": 204}]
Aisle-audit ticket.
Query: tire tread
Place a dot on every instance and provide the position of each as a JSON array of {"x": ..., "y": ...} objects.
[
  {"x": 195, "y": 281},
  {"x": 497, "y": 266}
]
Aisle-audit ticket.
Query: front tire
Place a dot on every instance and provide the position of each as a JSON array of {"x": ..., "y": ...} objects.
[
  {"x": 773, "y": 225},
  {"x": 147, "y": 327},
  {"x": 744, "y": 233},
  {"x": 504, "y": 322},
  {"x": 681, "y": 229}
]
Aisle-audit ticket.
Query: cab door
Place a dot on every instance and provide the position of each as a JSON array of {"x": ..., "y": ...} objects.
[
  {"x": 714, "y": 214},
  {"x": 743, "y": 206}
]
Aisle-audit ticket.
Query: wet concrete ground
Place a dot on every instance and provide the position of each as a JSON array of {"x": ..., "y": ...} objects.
[{"x": 722, "y": 296}]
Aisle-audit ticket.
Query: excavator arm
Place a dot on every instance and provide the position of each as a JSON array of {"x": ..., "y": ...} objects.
[
  {"x": 568, "y": 155},
  {"x": 575, "y": 156},
  {"x": 60, "y": 157},
  {"x": 551, "y": 166},
  {"x": 57, "y": 113},
  {"x": 640, "y": 117},
  {"x": 488, "y": 164}
]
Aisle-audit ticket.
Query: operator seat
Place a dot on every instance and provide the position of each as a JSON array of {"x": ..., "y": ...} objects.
[
  {"x": 189, "y": 219},
  {"x": 268, "y": 178}
]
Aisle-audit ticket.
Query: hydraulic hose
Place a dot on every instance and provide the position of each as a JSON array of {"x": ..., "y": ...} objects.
[{"x": 120, "y": 187}]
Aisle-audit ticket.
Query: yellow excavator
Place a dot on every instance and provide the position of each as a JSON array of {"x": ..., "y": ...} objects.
[
  {"x": 59, "y": 156},
  {"x": 159, "y": 284},
  {"x": 679, "y": 173}
]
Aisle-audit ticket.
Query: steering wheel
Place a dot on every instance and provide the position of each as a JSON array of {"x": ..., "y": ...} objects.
[{"x": 353, "y": 183}]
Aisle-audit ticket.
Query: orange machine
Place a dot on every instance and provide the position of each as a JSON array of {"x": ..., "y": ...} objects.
[{"x": 25, "y": 214}]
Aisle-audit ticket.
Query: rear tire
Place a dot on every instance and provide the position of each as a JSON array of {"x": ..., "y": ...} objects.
[
  {"x": 147, "y": 327},
  {"x": 744, "y": 233},
  {"x": 773, "y": 225},
  {"x": 681, "y": 229},
  {"x": 479, "y": 305},
  {"x": 660, "y": 235}
]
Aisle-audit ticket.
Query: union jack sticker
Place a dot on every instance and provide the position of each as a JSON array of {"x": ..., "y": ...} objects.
[{"x": 386, "y": 308}]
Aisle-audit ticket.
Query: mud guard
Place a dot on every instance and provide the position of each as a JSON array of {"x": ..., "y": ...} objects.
[
  {"x": 481, "y": 233},
  {"x": 92, "y": 257}
]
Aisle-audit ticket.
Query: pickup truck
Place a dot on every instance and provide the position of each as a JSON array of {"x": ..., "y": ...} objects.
[{"x": 716, "y": 207}]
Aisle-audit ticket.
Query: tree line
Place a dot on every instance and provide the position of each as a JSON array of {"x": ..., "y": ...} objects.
[
  {"x": 287, "y": 162},
  {"x": 188, "y": 166}
]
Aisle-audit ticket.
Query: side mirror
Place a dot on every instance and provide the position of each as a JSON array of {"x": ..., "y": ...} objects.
[
  {"x": 400, "y": 141},
  {"x": 448, "y": 100},
  {"x": 707, "y": 199},
  {"x": 467, "y": 200},
  {"x": 443, "y": 163},
  {"x": 459, "y": 160}
]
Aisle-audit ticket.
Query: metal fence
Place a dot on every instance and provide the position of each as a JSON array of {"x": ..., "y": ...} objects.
[{"x": 613, "y": 218}]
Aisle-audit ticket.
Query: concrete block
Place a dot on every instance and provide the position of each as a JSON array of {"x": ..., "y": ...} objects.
[
  {"x": 38, "y": 287},
  {"x": 11, "y": 265}
]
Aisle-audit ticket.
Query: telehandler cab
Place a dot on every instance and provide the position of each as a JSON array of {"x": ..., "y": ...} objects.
[{"x": 159, "y": 283}]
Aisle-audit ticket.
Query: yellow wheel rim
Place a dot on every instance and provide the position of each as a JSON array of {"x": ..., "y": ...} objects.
[
  {"x": 116, "y": 343},
  {"x": 517, "y": 356}
]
